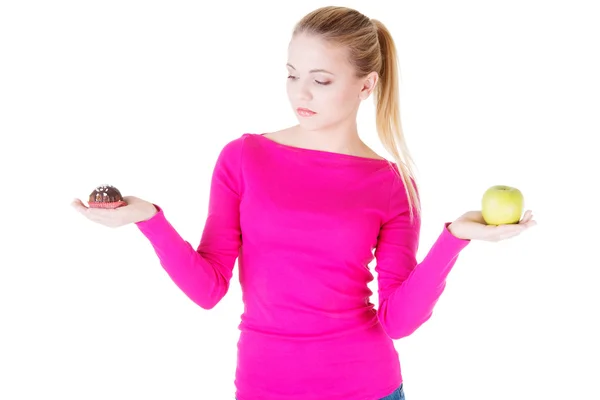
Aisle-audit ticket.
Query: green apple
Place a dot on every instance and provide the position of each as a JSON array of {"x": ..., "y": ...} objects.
[{"x": 501, "y": 205}]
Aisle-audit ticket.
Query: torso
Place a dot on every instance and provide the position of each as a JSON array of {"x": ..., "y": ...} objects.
[{"x": 309, "y": 222}]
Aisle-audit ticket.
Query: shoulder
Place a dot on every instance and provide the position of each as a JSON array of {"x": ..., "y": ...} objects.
[
  {"x": 239, "y": 142},
  {"x": 404, "y": 192},
  {"x": 251, "y": 142},
  {"x": 234, "y": 148},
  {"x": 230, "y": 154},
  {"x": 236, "y": 144}
]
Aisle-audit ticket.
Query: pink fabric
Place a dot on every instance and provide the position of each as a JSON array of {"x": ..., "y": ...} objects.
[{"x": 305, "y": 225}]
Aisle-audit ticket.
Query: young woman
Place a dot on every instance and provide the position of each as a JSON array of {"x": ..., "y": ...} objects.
[{"x": 304, "y": 210}]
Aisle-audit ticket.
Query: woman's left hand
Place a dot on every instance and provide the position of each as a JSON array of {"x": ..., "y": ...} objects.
[{"x": 472, "y": 226}]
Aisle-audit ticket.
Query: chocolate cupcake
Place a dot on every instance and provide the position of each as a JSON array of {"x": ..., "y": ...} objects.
[{"x": 106, "y": 196}]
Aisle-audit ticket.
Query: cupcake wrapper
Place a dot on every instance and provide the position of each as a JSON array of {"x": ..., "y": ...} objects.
[{"x": 112, "y": 205}]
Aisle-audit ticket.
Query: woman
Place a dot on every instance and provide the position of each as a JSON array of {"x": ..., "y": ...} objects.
[{"x": 302, "y": 210}]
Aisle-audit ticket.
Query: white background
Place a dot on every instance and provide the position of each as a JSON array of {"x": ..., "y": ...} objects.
[{"x": 144, "y": 94}]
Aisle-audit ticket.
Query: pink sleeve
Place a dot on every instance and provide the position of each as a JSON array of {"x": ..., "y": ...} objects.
[
  {"x": 203, "y": 274},
  {"x": 409, "y": 291}
]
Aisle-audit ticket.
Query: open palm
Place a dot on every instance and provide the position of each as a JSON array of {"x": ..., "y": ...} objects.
[{"x": 472, "y": 226}]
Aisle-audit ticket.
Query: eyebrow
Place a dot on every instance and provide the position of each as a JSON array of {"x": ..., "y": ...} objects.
[{"x": 312, "y": 70}]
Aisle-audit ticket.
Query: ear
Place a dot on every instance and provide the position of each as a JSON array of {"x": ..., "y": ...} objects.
[{"x": 368, "y": 85}]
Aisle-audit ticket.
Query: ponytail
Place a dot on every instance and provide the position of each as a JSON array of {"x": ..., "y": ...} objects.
[
  {"x": 370, "y": 48},
  {"x": 389, "y": 127}
]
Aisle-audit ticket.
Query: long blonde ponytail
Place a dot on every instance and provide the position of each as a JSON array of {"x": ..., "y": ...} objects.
[
  {"x": 389, "y": 126},
  {"x": 371, "y": 48}
]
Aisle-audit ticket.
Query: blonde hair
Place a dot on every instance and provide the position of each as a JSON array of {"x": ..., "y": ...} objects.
[{"x": 371, "y": 48}]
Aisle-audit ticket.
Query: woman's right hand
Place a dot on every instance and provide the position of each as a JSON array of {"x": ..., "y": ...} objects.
[{"x": 136, "y": 210}]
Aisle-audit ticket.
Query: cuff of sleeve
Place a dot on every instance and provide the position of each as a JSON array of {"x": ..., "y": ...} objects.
[
  {"x": 451, "y": 242},
  {"x": 150, "y": 224}
]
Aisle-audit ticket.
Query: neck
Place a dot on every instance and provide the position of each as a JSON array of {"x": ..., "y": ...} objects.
[{"x": 339, "y": 138}]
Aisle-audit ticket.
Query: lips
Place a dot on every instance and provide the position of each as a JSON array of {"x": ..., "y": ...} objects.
[{"x": 305, "y": 112}]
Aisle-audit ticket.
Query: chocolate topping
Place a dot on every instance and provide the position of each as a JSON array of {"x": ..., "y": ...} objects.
[{"x": 105, "y": 194}]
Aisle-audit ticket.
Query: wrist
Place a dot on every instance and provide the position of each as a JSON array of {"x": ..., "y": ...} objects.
[
  {"x": 452, "y": 231},
  {"x": 148, "y": 212}
]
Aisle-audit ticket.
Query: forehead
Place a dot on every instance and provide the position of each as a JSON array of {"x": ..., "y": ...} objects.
[{"x": 307, "y": 52}]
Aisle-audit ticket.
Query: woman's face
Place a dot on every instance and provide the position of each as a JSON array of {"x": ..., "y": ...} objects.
[{"x": 322, "y": 87}]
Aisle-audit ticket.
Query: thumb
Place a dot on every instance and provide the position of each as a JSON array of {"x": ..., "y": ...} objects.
[
  {"x": 78, "y": 205},
  {"x": 131, "y": 200}
]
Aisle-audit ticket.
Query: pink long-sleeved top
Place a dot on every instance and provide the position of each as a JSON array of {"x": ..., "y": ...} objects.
[{"x": 304, "y": 226}]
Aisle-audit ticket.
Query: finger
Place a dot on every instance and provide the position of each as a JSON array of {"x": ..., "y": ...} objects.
[
  {"x": 504, "y": 236},
  {"x": 102, "y": 216},
  {"x": 94, "y": 215},
  {"x": 130, "y": 199},
  {"x": 515, "y": 230},
  {"x": 527, "y": 217},
  {"x": 529, "y": 222},
  {"x": 111, "y": 217},
  {"x": 509, "y": 230},
  {"x": 475, "y": 216},
  {"x": 99, "y": 217},
  {"x": 78, "y": 205}
]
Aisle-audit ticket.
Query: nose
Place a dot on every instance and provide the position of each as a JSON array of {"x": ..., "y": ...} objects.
[{"x": 302, "y": 92}]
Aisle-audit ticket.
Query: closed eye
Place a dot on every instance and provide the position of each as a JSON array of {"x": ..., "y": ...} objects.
[{"x": 316, "y": 81}]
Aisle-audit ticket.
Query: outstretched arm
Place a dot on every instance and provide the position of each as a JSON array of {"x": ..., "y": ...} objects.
[
  {"x": 408, "y": 291},
  {"x": 204, "y": 273}
]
